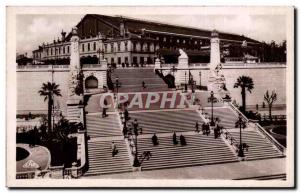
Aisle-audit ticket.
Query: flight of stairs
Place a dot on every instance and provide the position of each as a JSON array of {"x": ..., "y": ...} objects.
[
  {"x": 131, "y": 80},
  {"x": 167, "y": 121},
  {"x": 259, "y": 146},
  {"x": 226, "y": 116},
  {"x": 101, "y": 160},
  {"x": 103, "y": 127},
  {"x": 200, "y": 150},
  {"x": 73, "y": 113}
]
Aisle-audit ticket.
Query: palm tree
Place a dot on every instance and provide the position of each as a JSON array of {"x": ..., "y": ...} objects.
[
  {"x": 48, "y": 90},
  {"x": 270, "y": 99},
  {"x": 245, "y": 82}
]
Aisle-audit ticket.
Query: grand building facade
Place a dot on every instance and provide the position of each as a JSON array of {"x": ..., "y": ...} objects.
[{"x": 132, "y": 42}]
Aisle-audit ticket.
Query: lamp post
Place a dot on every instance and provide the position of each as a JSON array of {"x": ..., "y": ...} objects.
[
  {"x": 212, "y": 100},
  {"x": 241, "y": 124},
  {"x": 135, "y": 129},
  {"x": 117, "y": 86},
  {"x": 185, "y": 84},
  {"x": 200, "y": 79}
]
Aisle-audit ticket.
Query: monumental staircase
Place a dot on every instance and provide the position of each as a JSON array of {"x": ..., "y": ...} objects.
[
  {"x": 227, "y": 116},
  {"x": 101, "y": 160},
  {"x": 199, "y": 150},
  {"x": 131, "y": 79},
  {"x": 260, "y": 147},
  {"x": 167, "y": 121},
  {"x": 97, "y": 126}
]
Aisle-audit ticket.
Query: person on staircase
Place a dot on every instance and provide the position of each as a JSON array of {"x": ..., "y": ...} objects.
[
  {"x": 197, "y": 127},
  {"x": 114, "y": 149},
  {"x": 154, "y": 140},
  {"x": 126, "y": 114},
  {"x": 175, "y": 142},
  {"x": 207, "y": 129},
  {"x": 104, "y": 109},
  {"x": 143, "y": 85},
  {"x": 182, "y": 140},
  {"x": 125, "y": 131}
]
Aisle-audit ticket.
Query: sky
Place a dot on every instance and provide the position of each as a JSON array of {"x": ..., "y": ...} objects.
[{"x": 33, "y": 30}]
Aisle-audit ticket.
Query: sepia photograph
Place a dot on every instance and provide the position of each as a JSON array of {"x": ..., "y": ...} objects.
[{"x": 150, "y": 96}]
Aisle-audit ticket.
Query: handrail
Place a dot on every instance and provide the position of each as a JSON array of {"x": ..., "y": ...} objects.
[
  {"x": 231, "y": 139},
  {"x": 271, "y": 138},
  {"x": 238, "y": 112}
]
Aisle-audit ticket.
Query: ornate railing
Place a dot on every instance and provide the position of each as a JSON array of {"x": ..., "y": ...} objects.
[
  {"x": 29, "y": 175},
  {"x": 43, "y": 67},
  {"x": 270, "y": 138}
]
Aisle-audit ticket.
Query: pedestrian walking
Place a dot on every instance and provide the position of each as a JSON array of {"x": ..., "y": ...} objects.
[
  {"x": 154, "y": 140},
  {"x": 182, "y": 140},
  {"x": 175, "y": 142},
  {"x": 197, "y": 127},
  {"x": 114, "y": 149}
]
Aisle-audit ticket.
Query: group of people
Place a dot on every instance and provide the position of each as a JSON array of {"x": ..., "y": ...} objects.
[
  {"x": 217, "y": 131},
  {"x": 181, "y": 139},
  {"x": 206, "y": 129},
  {"x": 175, "y": 141}
]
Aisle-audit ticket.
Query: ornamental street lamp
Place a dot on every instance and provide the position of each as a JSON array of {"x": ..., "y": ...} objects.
[
  {"x": 242, "y": 124},
  {"x": 212, "y": 100}
]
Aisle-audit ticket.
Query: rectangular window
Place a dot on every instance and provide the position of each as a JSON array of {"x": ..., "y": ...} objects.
[
  {"x": 82, "y": 47},
  {"x": 142, "y": 60},
  {"x": 94, "y": 45},
  {"x": 105, "y": 48},
  {"x": 89, "y": 48},
  {"x": 134, "y": 60},
  {"x": 64, "y": 50},
  {"x": 126, "y": 60},
  {"x": 59, "y": 50},
  {"x": 119, "y": 60},
  {"x": 68, "y": 49},
  {"x": 119, "y": 47},
  {"x": 112, "y": 60},
  {"x": 126, "y": 44},
  {"x": 111, "y": 47}
]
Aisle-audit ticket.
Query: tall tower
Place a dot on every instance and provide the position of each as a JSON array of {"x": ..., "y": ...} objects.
[
  {"x": 215, "y": 57},
  {"x": 74, "y": 68},
  {"x": 75, "y": 101}
]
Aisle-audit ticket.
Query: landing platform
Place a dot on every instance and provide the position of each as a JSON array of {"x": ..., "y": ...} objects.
[{"x": 235, "y": 170}]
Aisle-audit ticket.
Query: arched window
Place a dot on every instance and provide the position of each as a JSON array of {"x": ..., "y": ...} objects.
[{"x": 91, "y": 82}]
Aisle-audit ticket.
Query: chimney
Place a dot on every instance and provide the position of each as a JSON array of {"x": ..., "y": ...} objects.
[{"x": 63, "y": 36}]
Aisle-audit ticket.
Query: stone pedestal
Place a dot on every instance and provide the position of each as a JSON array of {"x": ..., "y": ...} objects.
[
  {"x": 216, "y": 79},
  {"x": 181, "y": 76},
  {"x": 157, "y": 64}
]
